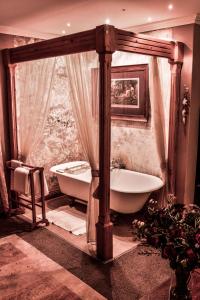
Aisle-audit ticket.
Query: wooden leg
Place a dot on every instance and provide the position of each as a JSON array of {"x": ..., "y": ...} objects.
[{"x": 33, "y": 199}]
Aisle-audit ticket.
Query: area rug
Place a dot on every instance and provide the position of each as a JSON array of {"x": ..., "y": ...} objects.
[
  {"x": 120, "y": 246},
  {"x": 67, "y": 221},
  {"x": 26, "y": 273}
]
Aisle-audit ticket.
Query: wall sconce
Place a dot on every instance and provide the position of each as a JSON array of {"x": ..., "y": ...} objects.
[{"x": 185, "y": 104}]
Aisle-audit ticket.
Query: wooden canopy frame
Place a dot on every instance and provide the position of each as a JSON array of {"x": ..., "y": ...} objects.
[{"x": 105, "y": 39}]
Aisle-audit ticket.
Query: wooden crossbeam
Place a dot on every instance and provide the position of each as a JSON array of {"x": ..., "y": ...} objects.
[
  {"x": 143, "y": 44},
  {"x": 74, "y": 43}
]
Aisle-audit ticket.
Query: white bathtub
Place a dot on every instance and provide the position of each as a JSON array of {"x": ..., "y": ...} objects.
[{"x": 129, "y": 190}]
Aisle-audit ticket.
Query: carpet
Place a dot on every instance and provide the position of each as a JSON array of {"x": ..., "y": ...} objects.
[
  {"x": 129, "y": 277},
  {"x": 26, "y": 273},
  {"x": 67, "y": 221},
  {"x": 133, "y": 276}
]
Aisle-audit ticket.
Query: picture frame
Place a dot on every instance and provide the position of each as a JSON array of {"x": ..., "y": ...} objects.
[{"x": 130, "y": 93}]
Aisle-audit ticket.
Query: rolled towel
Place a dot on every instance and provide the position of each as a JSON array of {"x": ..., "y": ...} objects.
[
  {"x": 14, "y": 164},
  {"x": 21, "y": 180}
]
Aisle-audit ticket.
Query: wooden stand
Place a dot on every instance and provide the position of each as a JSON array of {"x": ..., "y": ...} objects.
[{"x": 30, "y": 202}]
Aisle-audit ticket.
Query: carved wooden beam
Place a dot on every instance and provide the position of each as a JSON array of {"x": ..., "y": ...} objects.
[
  {"x": 73, "y": 43},
  {"x": 143, "y": 44},
  {"x": 121, "y": 40}
]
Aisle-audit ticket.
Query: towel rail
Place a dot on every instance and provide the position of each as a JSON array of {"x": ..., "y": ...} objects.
[{"x": 32, "y": 199}]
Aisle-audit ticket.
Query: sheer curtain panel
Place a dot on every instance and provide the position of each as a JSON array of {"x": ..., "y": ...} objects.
[
  {"x": 159, "y": 117},
  {"x": 33, "y": 86},
  {"x": 82, "y": 72}
]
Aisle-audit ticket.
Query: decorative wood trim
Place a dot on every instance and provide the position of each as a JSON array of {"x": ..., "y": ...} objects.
[
  {"x": 178, "y": 52},
  {"x": 11, "y": 102},
  {"x": 185, "y": 106},
  {"x": 105, "y": 39},
  {"x": 139, "y": 43}
]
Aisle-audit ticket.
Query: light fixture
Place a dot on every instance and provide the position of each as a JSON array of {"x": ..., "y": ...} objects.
[
  {"x": 68, "y": 24},
  {"x": 149, "y": 19},
  {"x": 107, "y": 21},
  {"x": 63, "y": 31},
  {"x": 170, "y": 6}
]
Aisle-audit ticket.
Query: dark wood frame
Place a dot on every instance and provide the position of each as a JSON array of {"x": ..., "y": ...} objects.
[
  {"x": 105, "y": 39},
  {"x": 140, "y": 113},
  {"x": 21, "y": 200}
]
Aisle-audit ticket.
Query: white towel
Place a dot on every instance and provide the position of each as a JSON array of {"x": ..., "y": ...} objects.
[
  {"x": 21, "y": 180},
  {"x": 14, "y": 164},
  {"x": 37, "y": 186}
]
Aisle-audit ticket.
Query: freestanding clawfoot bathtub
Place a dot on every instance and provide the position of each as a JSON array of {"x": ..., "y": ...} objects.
[{"x": 129, "y": 190}]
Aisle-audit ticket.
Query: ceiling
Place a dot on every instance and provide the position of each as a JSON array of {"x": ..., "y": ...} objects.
[{"x": 52, "y": 16}]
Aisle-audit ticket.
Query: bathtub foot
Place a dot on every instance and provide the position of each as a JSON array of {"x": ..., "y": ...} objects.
[
  {"x": 114, "y": 216},
  {"x": 72, "y": 202}
]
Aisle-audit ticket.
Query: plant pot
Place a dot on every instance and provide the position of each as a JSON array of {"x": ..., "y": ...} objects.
[{"x": 181, "y": 290}]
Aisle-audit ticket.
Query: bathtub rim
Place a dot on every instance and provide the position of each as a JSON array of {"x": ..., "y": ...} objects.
[{"x": 160, "y": 183}]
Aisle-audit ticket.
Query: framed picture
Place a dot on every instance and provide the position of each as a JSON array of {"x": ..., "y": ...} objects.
[{"x": 130, "y": 93}]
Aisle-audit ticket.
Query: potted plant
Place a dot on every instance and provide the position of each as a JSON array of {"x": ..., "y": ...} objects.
[{"x": 175, "y": 230}]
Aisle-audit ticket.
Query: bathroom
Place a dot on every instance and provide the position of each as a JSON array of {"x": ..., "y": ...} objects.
[{"x": 99, "y": 182}]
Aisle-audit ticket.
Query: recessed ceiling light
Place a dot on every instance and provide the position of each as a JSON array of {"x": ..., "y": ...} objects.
[
  {"x": 68, "y": 24},
  {"x": 170, "y": 6},
  {"x": 107, "y": 21},
  {"x": 149, "y": 19},
  {"x": 63, "y": 31}
]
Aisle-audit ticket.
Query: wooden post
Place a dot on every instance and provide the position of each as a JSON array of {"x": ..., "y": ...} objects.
[
  {"x": 11, "y": 120},
  {"x": 176, "y": 66},
  {"x": 104, "y": 45},
  {"x": 11, "y": 100}
]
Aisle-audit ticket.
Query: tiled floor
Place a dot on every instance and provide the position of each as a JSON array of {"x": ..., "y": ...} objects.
[{"x": 26, "y": 273}]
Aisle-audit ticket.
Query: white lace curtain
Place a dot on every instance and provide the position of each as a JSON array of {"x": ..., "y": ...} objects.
[
  {"x": 33, "y": 90},
  {"x": 82, "y": 73}
]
